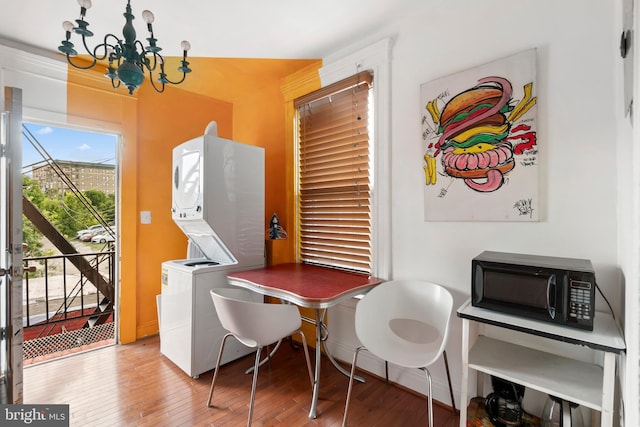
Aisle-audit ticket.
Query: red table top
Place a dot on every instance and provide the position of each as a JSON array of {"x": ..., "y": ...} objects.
[{"x": 304, "y": 285}]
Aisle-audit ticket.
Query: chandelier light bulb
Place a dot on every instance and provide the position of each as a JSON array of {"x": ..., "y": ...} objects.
[
  {"x": 68, "y": 26},
  {"x": 147, "y": 16},
  {"x": 185, "y": 45},
  {"x": 85, "y": 3}
]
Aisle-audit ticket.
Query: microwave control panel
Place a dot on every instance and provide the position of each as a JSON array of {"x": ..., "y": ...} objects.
[{"x": 580, "y": 301}]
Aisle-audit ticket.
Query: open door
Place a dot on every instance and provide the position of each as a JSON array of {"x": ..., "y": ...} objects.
[{"x": 11, "y": 267}]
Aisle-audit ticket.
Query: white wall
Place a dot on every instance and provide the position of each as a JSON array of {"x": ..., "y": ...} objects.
[
  {"x": 629, "y": 227},
  {"x": 578, "y": 84},
  {"x": 43, "y": 82},
  {"x": 576, "y": 134}
]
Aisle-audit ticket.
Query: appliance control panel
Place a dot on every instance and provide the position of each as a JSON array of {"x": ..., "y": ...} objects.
[{"x": 580, "y": 302}]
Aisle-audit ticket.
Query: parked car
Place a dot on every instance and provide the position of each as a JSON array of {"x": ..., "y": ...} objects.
[
  {"x": 94, "y": 229},
  {"x": 86, "y": 237},
  {"x": 102, "y": 238}
]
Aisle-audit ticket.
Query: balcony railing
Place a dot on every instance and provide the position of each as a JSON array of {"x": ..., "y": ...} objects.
[{"x": 63, "y": 310}]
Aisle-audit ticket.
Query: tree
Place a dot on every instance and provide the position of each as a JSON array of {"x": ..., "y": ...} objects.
[
  {"x": 66, "y": 211},
  {"x": 31, "y": 237},
  {"x": 73, "y": 215},
  {"x": 105, "y": 204},
  {"x": 31, "y": 189}
]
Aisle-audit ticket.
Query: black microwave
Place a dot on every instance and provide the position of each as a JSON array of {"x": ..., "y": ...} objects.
[{"x": 549, "y": 289}]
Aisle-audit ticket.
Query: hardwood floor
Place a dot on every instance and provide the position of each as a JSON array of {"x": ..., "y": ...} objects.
[{"x": 135, "y": 385}]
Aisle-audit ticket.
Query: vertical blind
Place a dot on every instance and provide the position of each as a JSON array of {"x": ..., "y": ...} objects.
[{"x": 334, "y": 175}]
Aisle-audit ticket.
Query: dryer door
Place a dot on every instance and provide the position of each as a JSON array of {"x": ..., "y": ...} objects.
[{"x": 187, "y": 180}]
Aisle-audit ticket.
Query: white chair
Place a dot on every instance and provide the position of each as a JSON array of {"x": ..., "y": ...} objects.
[
  {"x": 404, "y": 322},
  {"x": 254, "y": 325}
]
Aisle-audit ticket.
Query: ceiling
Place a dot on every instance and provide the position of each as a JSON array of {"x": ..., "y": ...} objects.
[{"x": 289, "y": 29}]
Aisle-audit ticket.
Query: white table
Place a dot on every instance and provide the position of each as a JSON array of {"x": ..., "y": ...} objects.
[{"x": 587, "y": 384}]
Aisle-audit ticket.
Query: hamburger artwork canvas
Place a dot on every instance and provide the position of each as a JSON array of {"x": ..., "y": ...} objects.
[{"x": 480, "y": 143}]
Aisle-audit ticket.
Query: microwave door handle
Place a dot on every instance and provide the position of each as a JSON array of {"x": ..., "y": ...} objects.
[{"x": 551, "y": 290}]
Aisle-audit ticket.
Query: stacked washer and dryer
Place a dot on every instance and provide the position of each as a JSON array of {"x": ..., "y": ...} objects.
[{"x": 218, "y": 202}]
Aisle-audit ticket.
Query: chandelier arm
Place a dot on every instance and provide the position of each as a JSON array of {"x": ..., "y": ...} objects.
[
  {"x": 80, "y": 67},
  {"x": 157, "y": 59},
  {"x": 159, "y": 89},
  {"x": 114, "y": 85},
  {"x": 104, "y": 45},
  {"x": 144, "y": 59},
  {"x": 88, "y": 50},
  {"x": 184, "y": 73},
  {"x": 184, "y": 76}
]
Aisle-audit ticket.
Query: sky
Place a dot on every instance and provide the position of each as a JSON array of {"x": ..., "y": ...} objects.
[{"x": 67, "y": 144}]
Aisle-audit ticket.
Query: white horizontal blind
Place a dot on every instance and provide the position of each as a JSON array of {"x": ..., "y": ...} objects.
[{"x": 334, "y": 175}]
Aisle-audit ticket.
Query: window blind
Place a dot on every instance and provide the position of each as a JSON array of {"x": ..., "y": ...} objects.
[{"x": 334, "y": 175}]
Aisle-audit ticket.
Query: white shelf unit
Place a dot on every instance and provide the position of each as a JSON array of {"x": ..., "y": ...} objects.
[{"x": 587, "y": 384}]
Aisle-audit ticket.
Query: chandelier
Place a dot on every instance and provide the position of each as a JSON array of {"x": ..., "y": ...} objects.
[{"x": 129, "y": 59}]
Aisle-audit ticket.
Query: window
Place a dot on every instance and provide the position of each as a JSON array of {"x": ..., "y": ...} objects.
[{"x": 334, "y": 176}]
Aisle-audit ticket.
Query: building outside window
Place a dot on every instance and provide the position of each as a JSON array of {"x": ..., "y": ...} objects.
[{"x": 99, "y": 177}]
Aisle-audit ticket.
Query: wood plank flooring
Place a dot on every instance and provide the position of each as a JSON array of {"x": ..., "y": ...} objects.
[{"x": 135, "y": 385}]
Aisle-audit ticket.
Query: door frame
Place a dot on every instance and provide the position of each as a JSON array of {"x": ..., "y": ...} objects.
[{"x": 11, "y": 333}]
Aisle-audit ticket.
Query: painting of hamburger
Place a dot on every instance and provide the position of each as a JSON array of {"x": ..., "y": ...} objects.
[{"x": 479, "y": 131}]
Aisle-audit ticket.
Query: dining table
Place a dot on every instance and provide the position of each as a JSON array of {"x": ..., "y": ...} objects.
[{"x": 309, "y": 286}]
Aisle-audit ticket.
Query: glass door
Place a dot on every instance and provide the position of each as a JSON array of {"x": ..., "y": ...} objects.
[{"x": 11, "y": 248}]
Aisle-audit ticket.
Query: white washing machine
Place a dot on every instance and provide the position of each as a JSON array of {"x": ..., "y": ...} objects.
[
  {"x": 190, "y": 331},
  {"x": 218, "y": 202}
]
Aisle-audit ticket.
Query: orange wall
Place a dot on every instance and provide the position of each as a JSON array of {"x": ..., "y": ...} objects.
[
  {"x": 242, "y": 95},
  {"x": 164, "y": 121},
  {"x": 262, "y": 117}
]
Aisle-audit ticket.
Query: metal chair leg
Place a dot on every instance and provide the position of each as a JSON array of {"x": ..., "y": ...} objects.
[
  {"x": 429, "y": 385},
  {"x": 306, "y": 355},
  {"x": 266, "y": 359},
  {"x": 446, "y": 364},
  {"x": 215, "y": 372},
  {"x": 430, "y": 397},
  {"x": 351, "y": 376},
  {"x": 254, "y": 385}
]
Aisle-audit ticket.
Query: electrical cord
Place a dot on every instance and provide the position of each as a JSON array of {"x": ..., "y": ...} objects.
[{"x": 606, "y": 300}]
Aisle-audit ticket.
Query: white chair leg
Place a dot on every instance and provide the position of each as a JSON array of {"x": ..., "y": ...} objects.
[
  {"x": 215, "y": 372},
  {"x": 430, "y": 401},
  {"x": 253, "y": 386},
  {"x": 306, "y": 355},
  {"x": 353, "y": 372}
]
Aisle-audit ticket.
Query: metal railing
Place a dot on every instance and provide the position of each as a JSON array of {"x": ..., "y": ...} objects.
[{"x": 57, "y": 293}]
